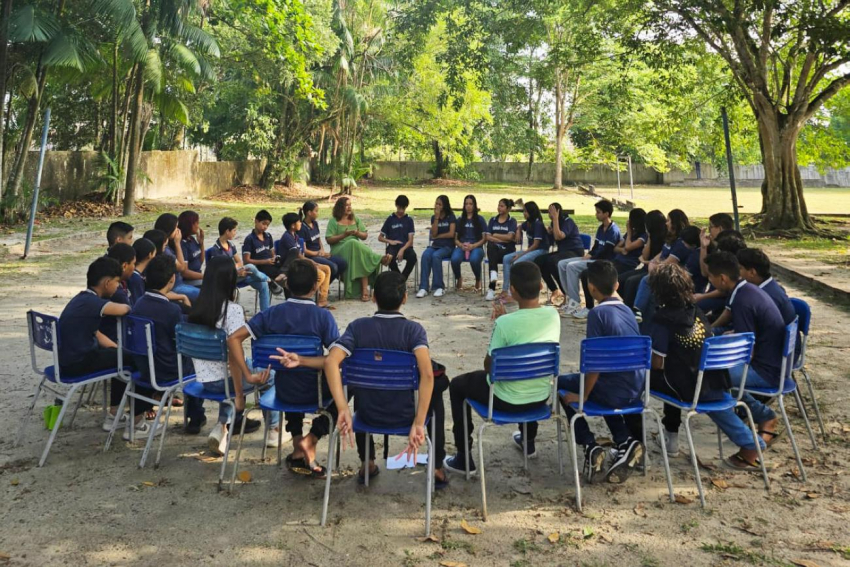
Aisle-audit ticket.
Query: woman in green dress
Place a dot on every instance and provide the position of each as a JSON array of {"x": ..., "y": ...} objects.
[{"x": 345, "y": 235}]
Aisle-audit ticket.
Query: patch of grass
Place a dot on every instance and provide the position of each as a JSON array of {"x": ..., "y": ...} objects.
[
  {"x": 649, "y": 561},
  {"x": 737, "y": 553},
  {"x": 689, "y": 525},
  {"x": 409, "y": 560},
  {"x": 526, "y": 546},
  {"x": 520, "y": 563},
  {"x": 455, "y": 544}
]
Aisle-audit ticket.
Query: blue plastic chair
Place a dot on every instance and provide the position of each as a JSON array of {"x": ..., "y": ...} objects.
[
  {"x": 718, "y": 353},
  {"x": 261, "y": 352},
  {"x": 136, "y": 336},
  {"x": 804, "y": 320},
  {"x": 201, "y": 342},
  {"x": 615, "y": 354},
  {"x": 788, "y": 386},
  {"x": 529, "y": 361},
  {"x": 586, "y": 241},
  {"x": 44, "y": 335},
  {"x": 376, "y": 369}
]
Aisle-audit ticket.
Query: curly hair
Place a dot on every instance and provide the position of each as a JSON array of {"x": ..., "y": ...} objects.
[
  {"x": 672, "y": 286},
  {"x": 339, "y": 208}
]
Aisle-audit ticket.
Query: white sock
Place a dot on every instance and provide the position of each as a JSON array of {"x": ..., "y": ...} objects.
[{"x": 494, "y": 275}]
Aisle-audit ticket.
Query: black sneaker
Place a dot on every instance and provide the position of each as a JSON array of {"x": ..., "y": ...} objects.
[
  {"x": 275, "y": 288},
  {"x": 594, "y": 458},
  {"x": 458, "y": 464},
  {"x": 629, "y": 453},
  {"x": 532, "y": 453},
  {"x": 251, "y": 425},
  {"x": 194, "y": 426}
]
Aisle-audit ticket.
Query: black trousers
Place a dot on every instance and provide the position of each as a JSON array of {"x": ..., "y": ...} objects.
[
  {"x": 548, "y": 264},
  {"x": 438, "y": 411},
  {"x": 588, "y": 299},
  {"x": 271, "y": 270},
  {"x": 495, "y": 256},
  {"x": 409, "y": 260},
  {"x": 629, "y": 282},
  {"x": 474, "y": 386},
  {"x": 106, "y": 359},
  {"x": 320, "y": 426}
]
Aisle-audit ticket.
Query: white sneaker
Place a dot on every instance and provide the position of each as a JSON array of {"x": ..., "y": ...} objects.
[
  {"x": 421, "y": 293},
  {"x": 491, "y": 295},
  {"x": 581, "y": 313},
  {"x": 567, "y": 310},
  {"x": 439, "y": 292},
  {"x": 214, "y": 441},
  {"x": 494, "y": 276},
  {"x": 107, "y": 423},
  {"x": 142, "y": 431},
  {"x": 271, "y": 438},
  {"x": 672, "y": 442}
]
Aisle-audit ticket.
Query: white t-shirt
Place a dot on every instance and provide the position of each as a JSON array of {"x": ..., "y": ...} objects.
[{"x": 231, "y": 321}]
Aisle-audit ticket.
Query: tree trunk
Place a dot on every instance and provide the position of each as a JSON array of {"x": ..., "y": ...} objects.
[
  {"x": 439, "y": 161},
  {"x": 4, "y": 57},
  {"x": 135, "y": 144},
  {"x": 17, "y": 177},
  {"x": 559, "y": 133},
  {"x": 784, "y": 205}
]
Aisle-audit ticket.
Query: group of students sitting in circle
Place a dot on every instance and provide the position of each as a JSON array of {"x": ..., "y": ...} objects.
[{"x": 665, "y": 279}]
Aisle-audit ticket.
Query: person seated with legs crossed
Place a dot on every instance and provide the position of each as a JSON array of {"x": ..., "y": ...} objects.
[{"x": 397, "y": 233}]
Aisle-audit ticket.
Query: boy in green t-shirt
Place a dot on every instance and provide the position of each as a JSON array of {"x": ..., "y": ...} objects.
[{"x": 530, "y": 324}]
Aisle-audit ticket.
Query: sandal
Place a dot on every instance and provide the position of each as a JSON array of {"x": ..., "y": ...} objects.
[
  {"x": 739, "y": 463},
  {"x": 365, "y": 298},
  {"x": 774, "y": 436},
  {"x": 297, "y": 465},
  {"x": 361, "y": 479}
]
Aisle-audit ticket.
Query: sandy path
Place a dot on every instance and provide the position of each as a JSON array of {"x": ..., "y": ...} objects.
[{"x": 90, "y": 508}]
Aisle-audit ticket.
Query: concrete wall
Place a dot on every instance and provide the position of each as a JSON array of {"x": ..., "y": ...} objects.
[
  {"x": 753, "y": 175},
  {"x": 69, "y": 175}
]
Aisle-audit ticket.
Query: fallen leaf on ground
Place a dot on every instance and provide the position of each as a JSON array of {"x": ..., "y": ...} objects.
[
  {"x": 606, "y": 538},
  {"x": 148, "y": 483},
  {"x": 812, "y": 495},
  {"x": 14, "y": 482},
  {"x": 245, "y": 476},
  {"x": 639, "y": 510},
  {"x": 452, "y": 564},
  {"x": 554, "y": 537},
  {"x": 681, "y": 499},
  {"x": 5, "y": 557},
  {"x": 804, "y": 563},
  {"x": 431, "y": 538},
  {"x": 587, "y": 532},
  {"x": 720, "y": 483},
  {"x": 471, "y": 530}
]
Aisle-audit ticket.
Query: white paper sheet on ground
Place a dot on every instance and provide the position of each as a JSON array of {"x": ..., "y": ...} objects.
[{"x": 404, "y": 461}]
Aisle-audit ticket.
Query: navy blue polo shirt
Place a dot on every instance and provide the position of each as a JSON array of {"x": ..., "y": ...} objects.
[
  {"x": 135, "y": 286},
  {"x": 631, "y": 260},
  {"x": 606, "y": 239},
  {"x": 387, "y": 330},
  {"x": 287, "y": 243},
  {"x": 312, "y": 236},
  {"x": 692, "y": 264},
  {"x": 612, "y": 318},
  {"x": 665, "y": 251},
  {"x": 77, "y": 325},
  {"x": 109, "y": 325},
  {"x": 777, "y": 293},
  {"x": 572, "y": 236},
  {"x": 258, "y": 249},
  {"x": 165, "y": 316},
  {"x": 178, "y": 277},
  {"x": 466, "y": 228},
  {"x": 400, "y": 229},
  {"x": 537, "y": 231},
  {"x": 681, "y": 252},
  {"x": 217, "y": 250},
  {"x": 296, "y": 316},
  {"x": 507, "y": 227},
  {"x": 192, "y": 253},
  {"x": 443, "y": 226},
  {"x": 753, "y": 311}
]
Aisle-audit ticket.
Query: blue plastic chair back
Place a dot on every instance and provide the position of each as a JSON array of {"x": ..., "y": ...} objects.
[
  {"x": 790, "y": 339},
  {"x": 804, "y": 314},
  {"x": 616, "y": 354},
  {"x": 265, "y": 347},
  {"x": 378, "y": 369},
  {"x": 525, "y": 362},
  {"x": 586, "y": 240},
  {"x": 727, "y": 351},
  {"x": 41, "y": 329},
  {"x": 134, "y": 335},
  {"x": 199, "y": 341}
]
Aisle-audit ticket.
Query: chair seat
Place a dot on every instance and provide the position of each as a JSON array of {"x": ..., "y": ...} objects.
[
  {"x": 270, "y": 402},
  {"x": 360, "y": 426},
  {"x": 50, "y": 373},
  {"x": 506, "y": 417},
  {"x": 727, "y": 402},
  {"x": 789, "y": 388},
  {"x": 592, "y": 409},
  {"x": 197, "y": 390}
]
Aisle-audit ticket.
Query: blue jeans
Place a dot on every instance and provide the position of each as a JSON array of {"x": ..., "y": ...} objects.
[
  {"x": 476, "y": 256},
  {"x": 509, "y": 259},
  {"x": 225, "y": 411},
  {"x": 735, "y": 429},
  {"x": 432, "y": 260},
  {"x": 190, "y": 291},
  {"x": 761, "y": 412},
  {"x": 599, "y": 395},
  {"x": 335, "y": 263},
  {"x": 259, "y": 281}
]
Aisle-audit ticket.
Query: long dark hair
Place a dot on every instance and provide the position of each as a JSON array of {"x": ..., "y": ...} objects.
[
  {"x": 476, "y": 225},
  {"x": 447, "y": 207},
  {"x": 678, "y": 222},
  {"x": 533, "y": 213},
  {"x": 339, "y": 208},
  {"x": 656, "y": 229},
  {"x": 306, "y": 208},
  {"x": 637, "y": 221},
  {"x": 167, "y": 223},
  {"x": 217, "y": 289},
  {"x": 186, "y": 221}
]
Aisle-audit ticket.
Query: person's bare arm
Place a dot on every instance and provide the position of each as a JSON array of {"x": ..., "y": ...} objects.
[
  {"x": 293, "y": 360},
  {"x": 589, "y": 382},
  {"x": 416, "y": 438},
  {"x": 113, "y": 309},
  {"x": 334, "y": 377},
  {"x": 657, "y": 362},
  {"x": 449, "y": 234},
  {"x": 724, "y": 319},
  {"x": 236, "y": 354},
  {"x": 103, "y": 341}
]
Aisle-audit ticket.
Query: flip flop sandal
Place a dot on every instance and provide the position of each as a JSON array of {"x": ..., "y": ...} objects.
[
  {"x": 297, "y": 466},
  {"x": 739, "y": 463},
  {"x": 774, "y": 436},
  {"x": 441, "y": 484},
  {"x": 361, "y": 479},
  {"x": 317, "y": 471}
]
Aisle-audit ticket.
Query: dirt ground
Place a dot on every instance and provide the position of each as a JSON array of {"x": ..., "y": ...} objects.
[{"x": 89, "y": 508}]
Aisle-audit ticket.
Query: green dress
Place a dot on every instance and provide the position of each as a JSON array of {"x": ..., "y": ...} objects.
[{"x": 361, "y": 260}]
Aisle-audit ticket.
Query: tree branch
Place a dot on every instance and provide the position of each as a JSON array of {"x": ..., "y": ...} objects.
[{"x": 826, "y": 94}]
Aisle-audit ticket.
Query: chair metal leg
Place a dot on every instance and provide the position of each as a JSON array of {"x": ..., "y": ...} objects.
[
  {"x": 560, "y": 449},
  {"x": 787, "y": 421},
  {"x": 131, "y": 419},
  {"x": 239, "y": 451},
  {"x": 645, "y": 457},
  {"x": 229, "y": 435},
  {"x": 19, "y": 437},
  {"x": 333, "y": 451},
  {"x": 280, "y": 439},
  {"x": 752, "y": 425},
  {"x": 77, "y": 406},
  {"x": 266, "y": 429},
  {"x": 154, "y": 425},
  {"x": 719, "y": 443},
  {"x": 574, "y": 455},
  {"x": 59, "y": 419},
  {"x": 431, "y": 455},
  {"x": 118, "y": 413},
  {"x": 694, "y": 462},
  {"x": 466, "y": 437},
  {"x": 366, "y": 462},
  {"x": 105, "y": 401},
  {"x": 481, "y": 469},
  {"x": 802, "y": 408},
  {"x": 814, "y": 402},
  {"x": 525, "y": 446},
  {"x": 665, "y": 458},
  {"x": 164, "y": 428},
  {"x": 429, "y": 482}
]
